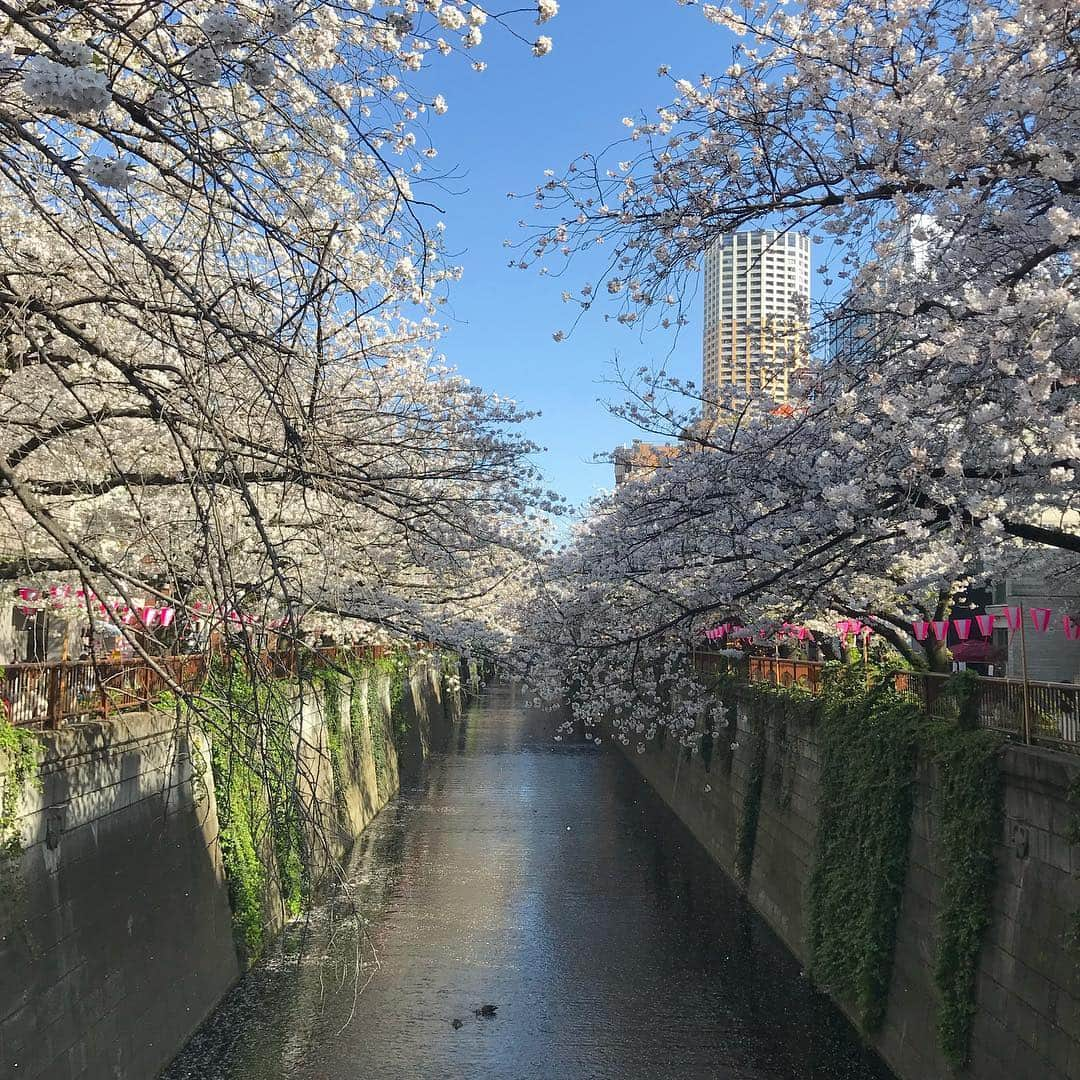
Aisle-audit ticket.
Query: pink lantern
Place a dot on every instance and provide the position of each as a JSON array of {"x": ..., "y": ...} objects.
[
  {"x": 941, "y": 629},
  {"x": 921, "y": 628},
  {"x": 166, "y": 616},
  {"x": 1040, "y": 618},
  {"x": 963, "y": 628},
  {"x": 1013, "y": 616},
  {"x": 986, "y": 624}
]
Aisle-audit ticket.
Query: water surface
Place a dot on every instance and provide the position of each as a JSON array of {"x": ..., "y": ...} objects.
[{"x": 545, "y": 879}]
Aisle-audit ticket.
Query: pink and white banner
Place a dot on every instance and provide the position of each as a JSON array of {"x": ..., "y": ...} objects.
[
  {"x": 1040, "y": 618},
  {"x": 963, "y": 628},
  {"x": 941, "y": 629},
  {"x": 921, "y": 628}
]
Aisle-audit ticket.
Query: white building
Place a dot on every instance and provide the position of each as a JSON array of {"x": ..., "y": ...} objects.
[{"x": 757, "y": 296}]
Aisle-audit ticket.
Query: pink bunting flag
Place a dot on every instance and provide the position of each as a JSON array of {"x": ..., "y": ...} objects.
[
  {"x": 963, "y": 628},
  {"x": 921, "y": 628},
  {"x": 167, "y": 614},
  {"x": 802, "y": 633},
  {"x": 149, "y": 616},
  {"x": 1072, "y": 629},
  {"x": 28, "y": 594},
  {"x": 941, "y": 629},
  {"x": 1013, "y": 616},
  {"x": 1040, "y": 618},
  {"x": 986, "y": 624}
]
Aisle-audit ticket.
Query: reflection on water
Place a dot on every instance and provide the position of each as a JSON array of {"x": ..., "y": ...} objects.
[{"x": 545, "y": 879}]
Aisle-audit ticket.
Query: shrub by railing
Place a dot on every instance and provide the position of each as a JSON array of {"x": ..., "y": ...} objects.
[
  {"x": 1038, "y": 712},
  {"x": 49, "y": 695}
]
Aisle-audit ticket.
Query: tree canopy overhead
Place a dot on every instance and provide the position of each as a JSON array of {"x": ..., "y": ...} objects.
[
  {"x": 930, "y": 149},
  {"x": 220, "y": 271}
]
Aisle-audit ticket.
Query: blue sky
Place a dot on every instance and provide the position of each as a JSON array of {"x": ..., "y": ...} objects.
[{"x": 505, "y": 126}]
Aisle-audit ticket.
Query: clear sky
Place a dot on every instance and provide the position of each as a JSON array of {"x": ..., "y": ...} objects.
[{"x": 504, "y": 128}]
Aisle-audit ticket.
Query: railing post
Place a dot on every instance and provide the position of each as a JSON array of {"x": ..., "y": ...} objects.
[
  {"x": 1023, "y": 658},
  {"x": 52, "y": 697}
]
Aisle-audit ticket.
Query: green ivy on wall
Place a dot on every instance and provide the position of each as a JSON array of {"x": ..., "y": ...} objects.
[
  {"x": 968, "y": 811},
  {"x": 329, "y": 682},
  {"x": 19, "y": 754},
  {"x": 868, "y": 747},
  {"x": 253, "y": 756},
  {"x": 746, "y": 838}
]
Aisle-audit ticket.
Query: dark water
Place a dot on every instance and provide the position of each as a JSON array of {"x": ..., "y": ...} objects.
[{"x": 546, "y": 879}]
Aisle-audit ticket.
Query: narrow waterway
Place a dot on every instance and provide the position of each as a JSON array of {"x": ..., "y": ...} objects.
[{"x": 543, "y": 878}]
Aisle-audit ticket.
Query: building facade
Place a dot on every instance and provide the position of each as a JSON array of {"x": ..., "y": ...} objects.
[{"x": 757, "y": 296}]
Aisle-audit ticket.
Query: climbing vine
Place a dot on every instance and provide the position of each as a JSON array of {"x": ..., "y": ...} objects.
[
  {"x": 968, "y": 810},
  {"x": 746, "y": 839},
  {"x": 868, "y": 748},
  {"x": 254, "y": 759},
  {"x": 329, "y": 681},
  {"x": 19, "y": 752}
]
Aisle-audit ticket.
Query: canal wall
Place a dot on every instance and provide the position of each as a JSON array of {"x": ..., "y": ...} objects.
[
  {"x": 1027, "y": 1000},
  {"x": 117, "y": 936}
]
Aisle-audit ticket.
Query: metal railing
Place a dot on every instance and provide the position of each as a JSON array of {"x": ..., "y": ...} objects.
[
  {"x": 1037, "y": 712},
  {"x": 51, "y": 694}
]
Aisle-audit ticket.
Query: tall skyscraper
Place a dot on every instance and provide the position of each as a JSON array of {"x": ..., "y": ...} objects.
[{"x": 757, "y": 295}]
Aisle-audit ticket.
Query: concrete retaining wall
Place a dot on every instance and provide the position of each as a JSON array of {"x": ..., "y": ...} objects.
[
  {"x": 115, "y": 929},
  {"x": 1028, "y": 1022}
]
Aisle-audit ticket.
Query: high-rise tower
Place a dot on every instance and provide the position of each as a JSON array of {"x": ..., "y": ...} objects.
[{"x": 757, "y": 295}]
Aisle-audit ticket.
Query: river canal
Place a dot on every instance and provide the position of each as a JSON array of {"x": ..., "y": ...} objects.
[{"x": 545, "y": 879}]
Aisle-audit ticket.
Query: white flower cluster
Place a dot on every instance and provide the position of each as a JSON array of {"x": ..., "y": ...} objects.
[
  {"x": 546, "y": 9},
  {"x": 450, "y": 18},
  {"x": 224, "y": 27},
  {"x": 202, "y": 66},
  {"x": 60, "y": 88},
  {"x": 260, "y": 71},
  {"x": 108, "y": 172},
  {"x": 282, "y": 18},
  {"x": 541, "y": 46}
]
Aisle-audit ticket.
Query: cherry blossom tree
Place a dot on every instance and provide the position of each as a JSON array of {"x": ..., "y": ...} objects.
[
  {"x": 220, "y": 271},
  {"x": 947, "y": 452}
]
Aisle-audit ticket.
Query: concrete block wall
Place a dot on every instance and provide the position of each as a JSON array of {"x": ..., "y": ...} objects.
[
  {"x": 115, "y": 928},
  {"x": 1027, "y": 1025}
]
